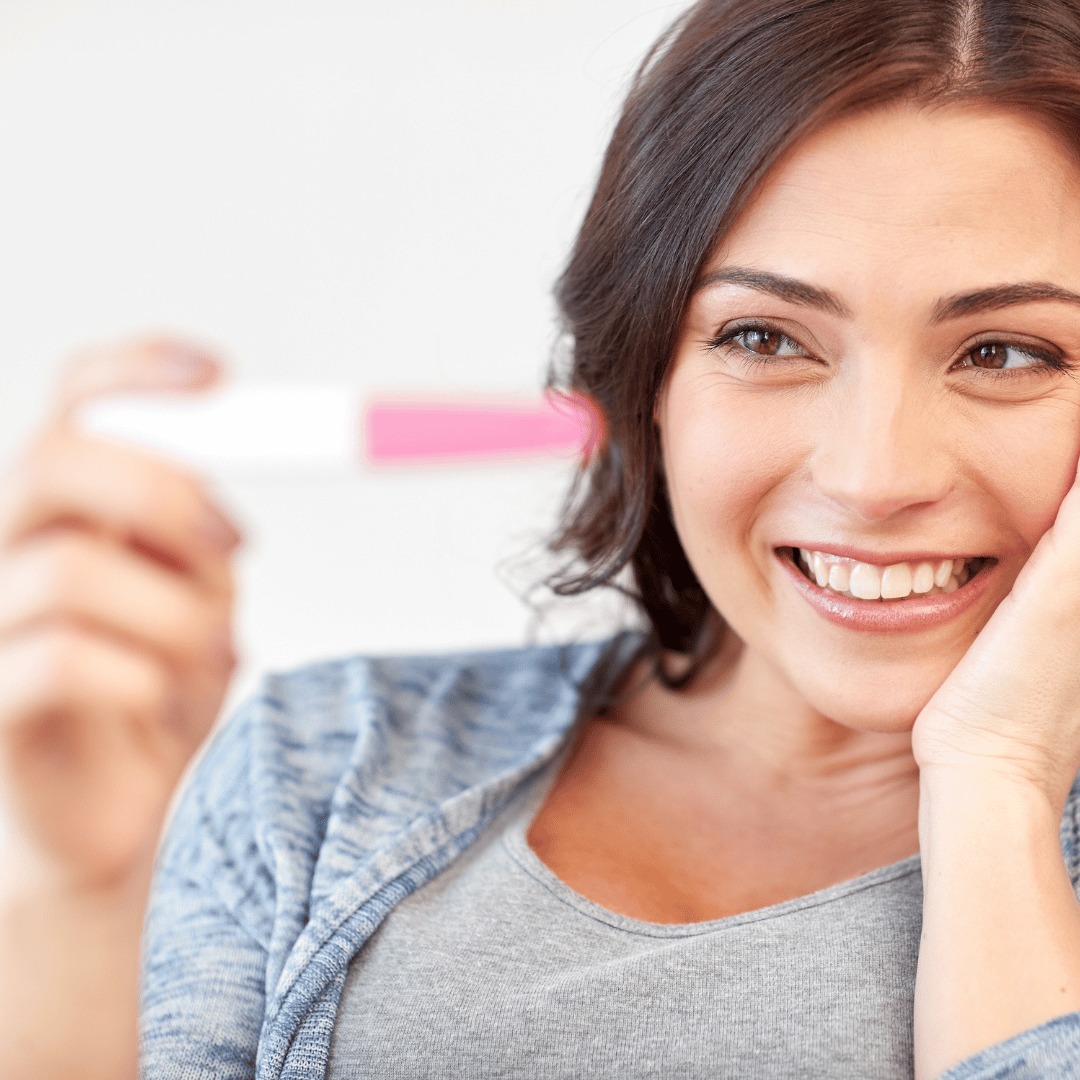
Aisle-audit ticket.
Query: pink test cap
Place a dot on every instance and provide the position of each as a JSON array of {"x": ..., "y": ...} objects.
[{"x": 437, "y": 431}]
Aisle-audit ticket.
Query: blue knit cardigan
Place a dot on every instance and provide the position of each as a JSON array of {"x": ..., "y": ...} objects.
[{"x": 333, "y": 794}]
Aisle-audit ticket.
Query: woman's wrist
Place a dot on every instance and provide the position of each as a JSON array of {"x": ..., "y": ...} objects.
[
  {"x": 69, "y": 963},
  {"x": 1000, "y": 947},
  {"x": 976, "y": 823},
  {"x": 982, "y": 795}
]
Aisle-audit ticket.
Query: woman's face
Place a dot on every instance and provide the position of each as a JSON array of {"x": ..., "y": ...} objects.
[{"x": 881, "y": 364}]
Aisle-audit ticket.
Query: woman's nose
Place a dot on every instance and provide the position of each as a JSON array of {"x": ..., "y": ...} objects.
[{"x": 881, "y": 450}]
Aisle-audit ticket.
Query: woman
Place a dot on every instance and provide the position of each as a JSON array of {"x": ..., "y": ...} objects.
[{"x": 819, "y": 820}]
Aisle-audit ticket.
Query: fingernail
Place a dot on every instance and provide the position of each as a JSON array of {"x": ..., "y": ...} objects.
[
  {"x": 217, "y": 531},
  {"x": 182, "y": 366}
]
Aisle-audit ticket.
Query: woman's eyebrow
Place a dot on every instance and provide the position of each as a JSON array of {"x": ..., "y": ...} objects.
[
  {"x": 784, "y": 288},
  {"x": 1000, "y": 296},
  {"x": 950, "y": 307}
]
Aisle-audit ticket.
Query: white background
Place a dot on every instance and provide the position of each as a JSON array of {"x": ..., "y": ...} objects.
[{"x": 341, "y": 191}]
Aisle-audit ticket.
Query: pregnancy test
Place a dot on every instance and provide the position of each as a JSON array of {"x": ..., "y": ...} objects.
[{"x": 279, "y": 428}]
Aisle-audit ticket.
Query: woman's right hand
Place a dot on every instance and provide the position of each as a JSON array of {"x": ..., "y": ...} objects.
[{"x": 115, "y": 630}]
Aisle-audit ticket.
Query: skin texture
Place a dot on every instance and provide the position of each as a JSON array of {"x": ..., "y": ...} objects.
[
  {"x": 811, "y": 751},
  {"x": 115, "y": 653},
  {"x": 878, "y": 444}
]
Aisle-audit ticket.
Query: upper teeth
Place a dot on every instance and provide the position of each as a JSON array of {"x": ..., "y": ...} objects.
[{"x": 865, "y": 581}]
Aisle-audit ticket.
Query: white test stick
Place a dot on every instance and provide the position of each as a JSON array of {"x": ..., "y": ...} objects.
[
  {"x": 298, "y": 428},
  {"x": 242, "y": 428}
]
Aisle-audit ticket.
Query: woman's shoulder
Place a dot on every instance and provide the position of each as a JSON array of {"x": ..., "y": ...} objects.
[
  {"x": 477, "y": 692},
  {"x": 304, "y": 723},
  {"x": 379, "y": 736},
  {"x": 324, "y": 767}
]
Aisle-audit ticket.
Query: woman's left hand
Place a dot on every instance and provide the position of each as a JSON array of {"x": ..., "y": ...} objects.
[
  {"x": 1011, "y": 707},
  {"x": 998, "y": 747}
]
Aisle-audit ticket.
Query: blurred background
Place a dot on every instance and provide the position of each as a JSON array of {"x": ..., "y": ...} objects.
[{"x": 326, "y": 191}]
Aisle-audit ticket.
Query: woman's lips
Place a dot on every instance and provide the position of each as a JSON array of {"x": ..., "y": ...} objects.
[{"x": 910, "y": 615}]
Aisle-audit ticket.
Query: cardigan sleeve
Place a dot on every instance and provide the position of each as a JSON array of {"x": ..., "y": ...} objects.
[
  {"x": 1050, "y": 1051},
  {"x": 206, "y": 937},
  {"x": 202, "y": 988},
  {"x": 232, "y": 884}
]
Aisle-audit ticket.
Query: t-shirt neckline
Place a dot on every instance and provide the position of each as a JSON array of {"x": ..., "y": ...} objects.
[{"x": 515, "y": 841}]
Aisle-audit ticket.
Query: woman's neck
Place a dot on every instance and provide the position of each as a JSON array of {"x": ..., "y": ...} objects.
[
  {"x": 740, "y": 707},
  {"x": 732, "y": 795}
]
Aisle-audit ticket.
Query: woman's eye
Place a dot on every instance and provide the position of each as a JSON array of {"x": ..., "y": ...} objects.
[
  {"x": 998, "y": 356},
  {"x": 765, "y": 342}
]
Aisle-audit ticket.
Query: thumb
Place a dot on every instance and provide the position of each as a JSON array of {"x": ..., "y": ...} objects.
[{"x": 151, "y": 364}]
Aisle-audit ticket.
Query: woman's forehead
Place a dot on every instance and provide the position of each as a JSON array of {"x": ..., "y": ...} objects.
[{"x": 944, "y": 191}]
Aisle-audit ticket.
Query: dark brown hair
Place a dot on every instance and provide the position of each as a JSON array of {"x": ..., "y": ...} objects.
[{"x": 731, "y": 87}]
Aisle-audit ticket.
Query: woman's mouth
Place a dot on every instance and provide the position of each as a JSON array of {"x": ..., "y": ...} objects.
[
  {"x": 908, "y": 596},
  {"x": 898, "y": 581}
]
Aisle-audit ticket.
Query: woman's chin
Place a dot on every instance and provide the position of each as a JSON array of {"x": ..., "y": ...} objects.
[{"x": 872, "y": 704}]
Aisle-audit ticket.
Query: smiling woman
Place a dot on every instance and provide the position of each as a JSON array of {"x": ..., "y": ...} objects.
[
  {"x": 821, "y": 818},
  {"x": 838, "y": 362},
  {"x": 841, "y": 387},
  {"x": 867, "y": 424}
]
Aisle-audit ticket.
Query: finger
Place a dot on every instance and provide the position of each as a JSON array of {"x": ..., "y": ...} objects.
[
  {"x": 151, "y": 364},
  {"x": 89, "y": 752},
  {"x": 71, "y": 700},
  {"x": 68, "y": 671},
  {"x": 125, "y": 495},
  {"x": 72, "y": 579}
]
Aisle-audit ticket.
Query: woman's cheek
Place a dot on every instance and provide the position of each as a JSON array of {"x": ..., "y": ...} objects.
[
  {"x": 727, "y": 452},
  {"x": 1026, "y": 459}
]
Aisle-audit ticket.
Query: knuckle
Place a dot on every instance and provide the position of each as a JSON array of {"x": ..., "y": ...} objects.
[
  {"x": 160, "y": 496},
  {"x": 75, "y": 668},
  {"x": 196, "y": 636},
  {"x": 164, "y": 491},
  {"x": 46, "y": 580},
  {"x": 61, "y": 675},
  {"x": 146, "y": 690},
  {"x": 42, "y": 674},
  {"x": 64, "y": 563},
  {"x": 60, "y": 650}
]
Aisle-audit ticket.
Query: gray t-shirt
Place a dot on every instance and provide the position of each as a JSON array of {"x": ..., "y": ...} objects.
[{"x": 495, "y": 968}]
